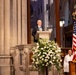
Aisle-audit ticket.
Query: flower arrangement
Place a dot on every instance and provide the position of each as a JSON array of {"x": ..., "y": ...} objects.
[{"x": 45, "y": 54}]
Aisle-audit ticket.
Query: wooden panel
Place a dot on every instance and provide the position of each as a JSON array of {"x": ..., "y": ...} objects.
[
  {"x": 28, "y": 23},
  {"x": 72, "y": 68},
  {"x": 68, "y": 29},
  {"x": 57, "y": 22},
  {"x": 67, "y": 33}
]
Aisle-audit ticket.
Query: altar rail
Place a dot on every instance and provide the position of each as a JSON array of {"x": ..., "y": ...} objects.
[{"x": 21, "y": 55}]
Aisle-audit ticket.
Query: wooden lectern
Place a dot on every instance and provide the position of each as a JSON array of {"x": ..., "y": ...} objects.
[
  {"x": 44, "y": 34},
  {"x": 72, "y": 68}
]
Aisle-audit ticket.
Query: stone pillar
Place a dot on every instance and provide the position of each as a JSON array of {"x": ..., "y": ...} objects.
[
  {"x": 7, "y": 26},
  {"x": 2, "y": 27},
  {"x": 14, "y": 24},
  {"x": 24, "y": 22},
  {"x": 6, "y": 69},
  {"x": 19, "y": 21},
  {"x": 45, "y": 14}
]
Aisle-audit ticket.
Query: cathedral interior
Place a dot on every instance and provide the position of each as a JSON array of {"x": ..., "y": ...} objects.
[{"x": 18, "y": 17}]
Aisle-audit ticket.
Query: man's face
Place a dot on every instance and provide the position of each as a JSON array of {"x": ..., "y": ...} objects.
[
  {"x": 70, "y": 52},
  {"x": 39, "y": 22}
]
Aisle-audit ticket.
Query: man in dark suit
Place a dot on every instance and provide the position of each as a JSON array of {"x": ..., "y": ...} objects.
[{"x": 37, "y": 28}]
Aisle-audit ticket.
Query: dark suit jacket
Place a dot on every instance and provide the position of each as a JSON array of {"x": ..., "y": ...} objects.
[{"x": 34, "y": 31}]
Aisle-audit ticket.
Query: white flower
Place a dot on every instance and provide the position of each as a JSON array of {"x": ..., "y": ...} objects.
[
  {"x": 37, "y": 44},
  {"x": 41, "y": 48},
  {"x": 54, "y": 57},
  {"x": 36, "y": 62},
  {"x": 47, "y": 64},
  {"x": 46, "y": 60},
  {"x": 42, "y": 58},
  {"x": 43, "y": 55},
  {"x": 58, "y": 54},
  {"x": 46, "y": 53}
]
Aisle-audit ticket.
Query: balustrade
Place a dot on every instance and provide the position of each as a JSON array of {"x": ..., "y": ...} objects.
[{"x": 21, "y": 55}]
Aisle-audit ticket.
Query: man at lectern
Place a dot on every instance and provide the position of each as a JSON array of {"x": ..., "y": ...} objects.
[
  {"x": 67, "y": 58},
  {"x": 36, "y": 28}
]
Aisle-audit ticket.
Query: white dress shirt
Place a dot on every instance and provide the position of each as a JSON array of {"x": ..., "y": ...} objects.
[
  {"x": 40, "y": 28},
  {"x": 66, "y": 62}
]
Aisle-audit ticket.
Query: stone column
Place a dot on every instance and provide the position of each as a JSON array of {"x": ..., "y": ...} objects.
[
  {"x": 14, "y": 24},
  {"x": 1, "y": 26},
  {"x": 24, "y": 22},
  {"x": 45, "y": 14},
  {"x": 1, "y": 32},
  {"x": 6, "y": 69},
  {"x": 7, "y": 26},
  {"x": 19, "y": 21}
]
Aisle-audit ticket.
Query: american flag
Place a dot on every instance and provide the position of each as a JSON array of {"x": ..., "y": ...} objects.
[{"x": 74, "y": 41}]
